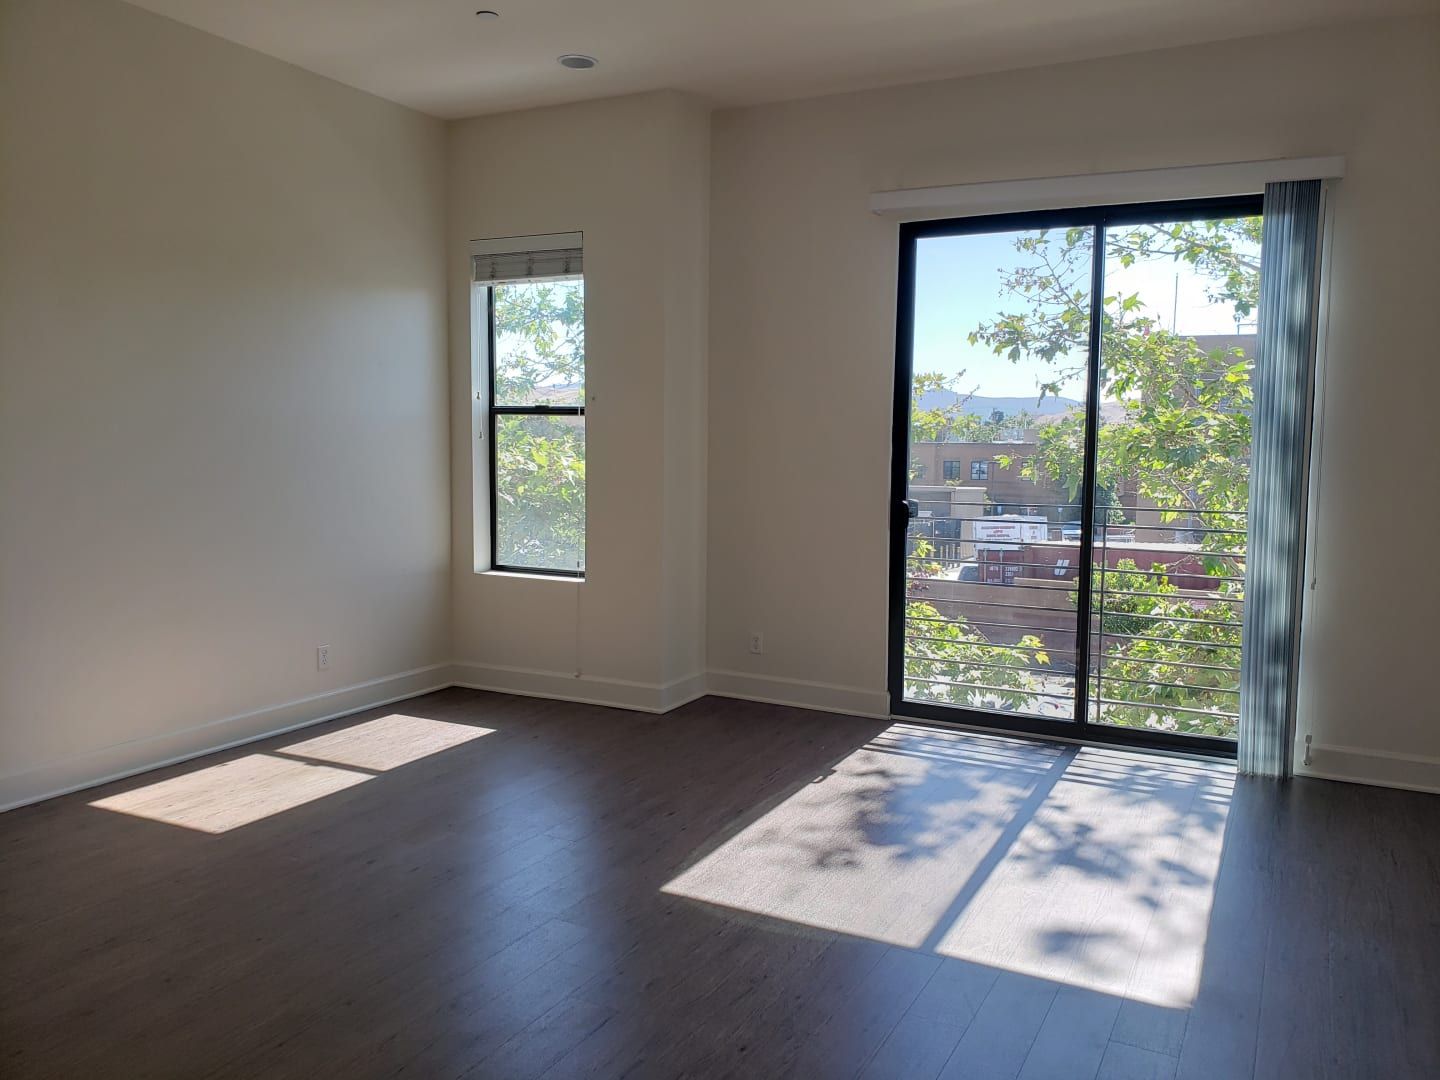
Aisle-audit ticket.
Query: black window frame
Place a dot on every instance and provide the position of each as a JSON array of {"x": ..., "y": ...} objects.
[
  {"x": 980, "y": 469},
  {"x": 493, "y": 411},
  {"x": 957, "y": 473},
  {"x": 1097, "y": 217}
]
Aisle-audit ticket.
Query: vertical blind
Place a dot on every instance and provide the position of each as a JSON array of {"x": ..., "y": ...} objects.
[{"x": 1284, "y": 377}]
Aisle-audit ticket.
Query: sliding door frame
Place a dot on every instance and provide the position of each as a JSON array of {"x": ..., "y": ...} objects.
[{"x": 1097, "y": 218}]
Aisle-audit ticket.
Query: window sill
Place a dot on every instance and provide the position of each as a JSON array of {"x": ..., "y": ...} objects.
[{"x": 528, "y": 576}]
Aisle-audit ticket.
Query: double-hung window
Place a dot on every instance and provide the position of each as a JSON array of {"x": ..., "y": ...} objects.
[{"x": 528, "y": 373}]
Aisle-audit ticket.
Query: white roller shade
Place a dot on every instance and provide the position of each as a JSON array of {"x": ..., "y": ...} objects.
[{"x": 526, "y": 258}]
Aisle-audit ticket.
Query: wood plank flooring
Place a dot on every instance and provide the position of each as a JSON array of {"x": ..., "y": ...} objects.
[{"x": 474, "y": 885}]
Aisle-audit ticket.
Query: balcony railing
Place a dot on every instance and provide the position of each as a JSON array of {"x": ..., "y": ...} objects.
[{"x": 993, "y": 623}]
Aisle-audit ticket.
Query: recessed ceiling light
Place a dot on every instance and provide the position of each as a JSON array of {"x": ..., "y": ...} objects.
[
  {"x": 577, "y": 61},
  {"x": 486, "y": 13}
]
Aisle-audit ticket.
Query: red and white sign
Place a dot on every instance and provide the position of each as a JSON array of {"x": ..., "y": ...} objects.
[{"x": 1006, "y": 532}]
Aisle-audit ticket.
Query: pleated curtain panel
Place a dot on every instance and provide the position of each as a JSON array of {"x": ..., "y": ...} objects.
[{"x": 1284, "y": 382}]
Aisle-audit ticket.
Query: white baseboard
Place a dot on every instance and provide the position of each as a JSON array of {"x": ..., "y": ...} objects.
[
  {"x": 1330, "y": 762},
  {"x": 683, "y": 691},
  {"x": 1379, "y": 768},
  {"x": 800, "y": 693},
  {"x": 586, "y": 689},
  {"x": 141, "y": 755}
]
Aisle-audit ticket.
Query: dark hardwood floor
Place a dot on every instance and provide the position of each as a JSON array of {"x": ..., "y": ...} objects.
[{"x": 469, "y": 884}]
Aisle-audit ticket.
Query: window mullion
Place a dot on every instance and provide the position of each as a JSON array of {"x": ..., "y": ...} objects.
[{"x": 1084, "y": 570}]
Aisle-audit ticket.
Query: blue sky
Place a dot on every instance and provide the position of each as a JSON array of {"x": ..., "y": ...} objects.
[{"x": 958, "y": 286}]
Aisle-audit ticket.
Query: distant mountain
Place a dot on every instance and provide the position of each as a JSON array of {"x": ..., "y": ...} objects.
[{"x": 986, "y": 407}]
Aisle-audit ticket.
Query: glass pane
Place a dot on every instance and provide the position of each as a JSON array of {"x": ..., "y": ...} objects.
[
  {"x": 540, "y": 492},
  {"x": 540, "y": 343},
  {"x": 1173, "y": 474},
  {"x": 1001, "y": 349}
]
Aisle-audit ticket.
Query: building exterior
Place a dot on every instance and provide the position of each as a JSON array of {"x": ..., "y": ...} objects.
[{"x": 983, "y": 466}]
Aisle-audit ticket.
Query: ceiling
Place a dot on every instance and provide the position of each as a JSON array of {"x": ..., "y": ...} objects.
[{"x": 436, "y": 56}]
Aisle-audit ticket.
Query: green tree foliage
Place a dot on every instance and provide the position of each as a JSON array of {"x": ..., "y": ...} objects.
[
  {"x": 540, "y": 339},
  {"x": 540, "y": 460},
  {"x": 948, "y": 661},
  {"x": 1185, "y": 439}
]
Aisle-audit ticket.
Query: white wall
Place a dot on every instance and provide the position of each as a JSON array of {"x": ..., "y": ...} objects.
[
  {"x": 224, "y": 435},
  {"x": 802, "y": 346},
  {"x": 687, "y": 305},
  {"x": 223, "y": 402},
  {"x": 631, "y": 173}
]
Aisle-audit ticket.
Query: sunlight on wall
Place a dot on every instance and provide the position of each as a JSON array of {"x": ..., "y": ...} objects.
[
  {"x": 218, "y": 798},
  {"x": 1090, "y": 867}
]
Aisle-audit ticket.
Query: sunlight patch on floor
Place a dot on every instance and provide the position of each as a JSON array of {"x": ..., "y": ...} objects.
[
  {"x": 218, "y": 798},
  {"x": 233, "y": 793},
  {"x": 386, "y": 743},
  {"x": 1109, "y": 883},
  {"x": 1090, "y": 867}
]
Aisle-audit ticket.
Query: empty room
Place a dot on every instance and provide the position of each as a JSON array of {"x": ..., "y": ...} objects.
[{"x": 762, "y": 540}]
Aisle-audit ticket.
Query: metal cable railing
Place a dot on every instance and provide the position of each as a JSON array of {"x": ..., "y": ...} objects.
[{"x": 1165, "y": 603}]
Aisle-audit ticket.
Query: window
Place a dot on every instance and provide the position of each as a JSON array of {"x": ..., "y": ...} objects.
[
  {"x": 918, "y": 473},
  {"x": 979, "y": 470},
  {"x": 952, "y": 470},
  {"x": 528, "y": 309}
]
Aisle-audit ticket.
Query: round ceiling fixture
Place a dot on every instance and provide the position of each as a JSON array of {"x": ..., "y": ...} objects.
[
  {"x": 486, "y": 13},
  {"x": 577, "y": 61}
]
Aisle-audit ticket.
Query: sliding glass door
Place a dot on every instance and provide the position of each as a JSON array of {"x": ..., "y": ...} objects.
[
  {"x": 1072, "y": 455},
  {"x": 992, "y": 551}
]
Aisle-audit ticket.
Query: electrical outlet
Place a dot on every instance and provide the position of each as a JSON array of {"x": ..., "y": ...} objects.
[
  {"x": 322, "y": 657},
  {"x": 757, "y": 643}
]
